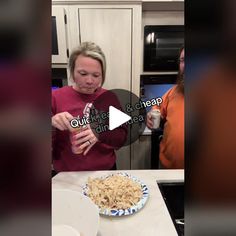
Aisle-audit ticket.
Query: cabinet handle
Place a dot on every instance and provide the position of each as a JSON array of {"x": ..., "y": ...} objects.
[{"x": 65, "y": 19}]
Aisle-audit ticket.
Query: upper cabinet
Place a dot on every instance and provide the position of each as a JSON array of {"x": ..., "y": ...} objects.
[
  {"x": 116, "y": 28},
  {"x": 59, "y": 35},
  {"x": 111, "y": 29}
]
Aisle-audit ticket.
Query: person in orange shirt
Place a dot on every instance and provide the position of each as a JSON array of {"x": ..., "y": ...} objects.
[{"x": 172, "y": 112}]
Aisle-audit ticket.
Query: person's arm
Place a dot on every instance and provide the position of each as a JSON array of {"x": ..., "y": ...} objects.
[
  {"x": 163, "y": 109},
  {"x": 115, "y": 138},
  {"x": 149, "y": 121},
  {"x": 60, "y": 120},
  {"x": 97, "y": 130}
]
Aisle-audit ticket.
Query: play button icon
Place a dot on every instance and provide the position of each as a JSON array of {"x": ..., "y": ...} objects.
[
  {"x": 117, "y": 118},
  {"x": 116, "y": 113}
]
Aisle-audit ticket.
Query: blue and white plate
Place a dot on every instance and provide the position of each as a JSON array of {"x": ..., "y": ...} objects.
[{"x": 128, "y": 211}]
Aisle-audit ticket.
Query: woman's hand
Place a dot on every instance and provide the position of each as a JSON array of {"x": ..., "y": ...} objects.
[
  {"x": 149, "y": 121},
  {"x": 62, "y": 120},
  {"x": 86, "y": 139}
]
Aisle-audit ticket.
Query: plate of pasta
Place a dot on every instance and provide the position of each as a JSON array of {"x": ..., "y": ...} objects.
[{"x": 117, "y": 194}]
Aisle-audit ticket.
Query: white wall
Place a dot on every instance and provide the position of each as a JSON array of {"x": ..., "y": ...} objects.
[{"x": 162, "y": 18}]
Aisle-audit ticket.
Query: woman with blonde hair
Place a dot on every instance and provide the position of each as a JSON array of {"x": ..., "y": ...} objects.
[{"x": 92, "y": 151}]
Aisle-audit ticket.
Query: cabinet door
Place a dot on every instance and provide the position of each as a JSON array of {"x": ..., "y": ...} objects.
[
  {"x": 59, "y": 45},
  {"x": 111, "y": 30},
  {"x": 141, "y": 153}
]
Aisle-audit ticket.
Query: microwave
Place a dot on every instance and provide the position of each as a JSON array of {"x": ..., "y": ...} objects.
[{"x": 161, "y": 47}]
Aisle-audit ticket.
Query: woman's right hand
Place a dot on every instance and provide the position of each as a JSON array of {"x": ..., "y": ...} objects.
[
  {"x": 149, "y": 121},
  {"x": 62, "y": 120}
]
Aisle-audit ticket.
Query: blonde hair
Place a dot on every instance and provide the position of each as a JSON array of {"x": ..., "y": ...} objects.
[{"x": 88, "y": 49}]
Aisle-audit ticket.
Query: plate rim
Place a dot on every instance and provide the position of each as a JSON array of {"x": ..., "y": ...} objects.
[{"x": 120, "y": 212}]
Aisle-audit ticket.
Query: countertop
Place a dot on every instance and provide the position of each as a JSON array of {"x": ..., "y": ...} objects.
[
  {"x": 153, "y": 219},
  {"x": 147, "y": 131}
]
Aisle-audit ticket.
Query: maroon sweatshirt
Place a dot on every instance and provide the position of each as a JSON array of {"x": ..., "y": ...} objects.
[{"x": 101, "y": 156}]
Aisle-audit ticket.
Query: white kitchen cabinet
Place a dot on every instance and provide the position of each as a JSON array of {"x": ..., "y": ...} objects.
[
  {"x": 114, "y": 26},
  {"x": 141, "y": 153},
  {"x": 59, "y": 35},
  {"x": 111, "y": 29},
  {"x": 117, "y": 30}
]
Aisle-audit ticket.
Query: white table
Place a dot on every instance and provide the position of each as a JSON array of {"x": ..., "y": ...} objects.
[{"x": 152, "y": 220}]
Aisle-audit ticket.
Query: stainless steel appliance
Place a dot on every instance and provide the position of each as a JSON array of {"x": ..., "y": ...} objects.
[{"x": 161, "y": 47}]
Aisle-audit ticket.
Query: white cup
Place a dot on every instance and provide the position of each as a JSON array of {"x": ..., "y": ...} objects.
[{"x": 156, "y": 118}]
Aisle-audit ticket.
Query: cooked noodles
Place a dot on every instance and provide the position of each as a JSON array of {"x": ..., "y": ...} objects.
[{"x": 114, "y": 192}]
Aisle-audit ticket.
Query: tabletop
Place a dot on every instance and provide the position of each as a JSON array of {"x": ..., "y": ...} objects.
[{"x": 153, "y": 219}]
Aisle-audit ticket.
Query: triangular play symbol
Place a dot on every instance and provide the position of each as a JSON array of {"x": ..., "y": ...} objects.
[{"x": 116, "y": 118}]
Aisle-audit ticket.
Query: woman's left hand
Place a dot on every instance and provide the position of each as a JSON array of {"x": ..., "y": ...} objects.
[{"x": 86, "y": 139}]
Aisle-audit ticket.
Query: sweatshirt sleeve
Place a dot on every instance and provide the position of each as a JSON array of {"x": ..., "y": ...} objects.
[
  {"x": 115, "y": 138},
  {"x": 53, "y": 104},
  {"x": 53, "y": 130}
]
